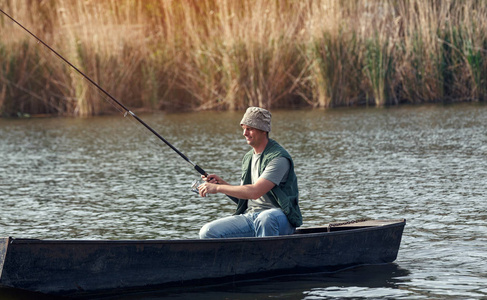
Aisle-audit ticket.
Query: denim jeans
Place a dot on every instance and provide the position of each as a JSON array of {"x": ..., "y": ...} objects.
[{"x": 270, "y": 222}]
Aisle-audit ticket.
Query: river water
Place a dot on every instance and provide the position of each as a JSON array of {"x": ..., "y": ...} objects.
[{"x": 109, "y": 178}]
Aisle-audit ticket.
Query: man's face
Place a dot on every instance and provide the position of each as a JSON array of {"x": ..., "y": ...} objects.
[{"x": 254, "y": 137}]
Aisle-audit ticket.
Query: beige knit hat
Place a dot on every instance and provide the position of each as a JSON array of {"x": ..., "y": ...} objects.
[{"x": 257, "y": 117}]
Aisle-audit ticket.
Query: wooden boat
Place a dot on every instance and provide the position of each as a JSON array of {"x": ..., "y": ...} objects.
[{"x": 95, "y": 267}]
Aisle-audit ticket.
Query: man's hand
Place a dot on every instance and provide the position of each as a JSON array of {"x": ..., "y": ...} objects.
[
  {"x": 207, "y": 188},
  {"x": 212, "y": 178}
]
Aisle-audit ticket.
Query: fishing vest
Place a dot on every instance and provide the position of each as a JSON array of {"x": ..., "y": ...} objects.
[{"x": 285, "y": 195}]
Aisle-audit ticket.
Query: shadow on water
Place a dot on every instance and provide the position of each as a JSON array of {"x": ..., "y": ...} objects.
[
  {"x": 15, "y": 294},
  {"x": 346, "y": 283},
  {"x": 354, "y": 282}
]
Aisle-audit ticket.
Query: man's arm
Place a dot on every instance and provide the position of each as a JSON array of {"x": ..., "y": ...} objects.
[
  {"x": 274, "y": 173},
  {"x": 249, "y": 191}
]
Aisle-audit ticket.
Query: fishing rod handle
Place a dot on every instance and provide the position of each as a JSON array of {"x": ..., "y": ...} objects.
[{"x": 200, "y": 170}]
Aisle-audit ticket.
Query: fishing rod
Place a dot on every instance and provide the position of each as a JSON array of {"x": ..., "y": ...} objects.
[{"x": 196, "y": 167}]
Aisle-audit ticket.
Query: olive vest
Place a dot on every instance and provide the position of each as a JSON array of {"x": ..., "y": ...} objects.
[{"x": 285, "y": 195}]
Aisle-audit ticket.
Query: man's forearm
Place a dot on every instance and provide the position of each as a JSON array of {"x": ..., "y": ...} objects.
[
  {"x": 248, "y": 191},
  {"x": 238, "y": 191}
]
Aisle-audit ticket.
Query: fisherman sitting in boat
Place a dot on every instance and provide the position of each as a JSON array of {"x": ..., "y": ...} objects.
[{"x": 267, "y": 199}]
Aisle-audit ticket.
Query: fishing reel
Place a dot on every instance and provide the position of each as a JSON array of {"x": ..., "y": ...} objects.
[{"x": 194, "y": 186}]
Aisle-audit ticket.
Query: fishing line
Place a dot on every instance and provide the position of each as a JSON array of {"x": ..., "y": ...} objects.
[{"x": 114, "y": 101}]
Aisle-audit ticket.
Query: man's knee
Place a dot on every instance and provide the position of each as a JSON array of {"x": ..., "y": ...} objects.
[{"x": 208, "y": 232}]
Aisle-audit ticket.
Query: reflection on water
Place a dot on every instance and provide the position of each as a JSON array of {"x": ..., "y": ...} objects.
[
  {"x": 106, "y": 178},
  {"x": 347, "y": 283}
]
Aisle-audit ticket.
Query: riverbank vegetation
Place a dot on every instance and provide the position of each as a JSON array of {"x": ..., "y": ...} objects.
[{"x": 225, "y": 54}]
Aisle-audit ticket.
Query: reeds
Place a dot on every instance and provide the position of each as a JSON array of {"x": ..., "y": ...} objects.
[{"x": 224, "y": 54}]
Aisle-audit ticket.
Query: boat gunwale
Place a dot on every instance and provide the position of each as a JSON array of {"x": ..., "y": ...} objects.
[{"x": 385, "y": 224}]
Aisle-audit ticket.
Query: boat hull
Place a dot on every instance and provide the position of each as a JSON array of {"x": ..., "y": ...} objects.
[{"x": 82, "y": 267}]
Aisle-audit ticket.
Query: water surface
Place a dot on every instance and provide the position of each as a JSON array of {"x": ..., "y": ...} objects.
[{"x": 109, "y": 178}]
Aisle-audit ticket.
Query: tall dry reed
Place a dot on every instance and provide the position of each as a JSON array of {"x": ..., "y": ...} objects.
[{"x": 225, "y": 54}]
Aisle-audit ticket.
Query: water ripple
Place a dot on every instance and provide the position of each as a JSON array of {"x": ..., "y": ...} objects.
[{"x": 103, "y": 178}]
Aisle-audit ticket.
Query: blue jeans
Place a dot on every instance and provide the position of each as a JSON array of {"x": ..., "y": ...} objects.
[{"x": 270, "y": 222}]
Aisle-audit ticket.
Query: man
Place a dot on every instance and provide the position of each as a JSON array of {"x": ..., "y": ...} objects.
[{"x": 267, "y": 199}]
